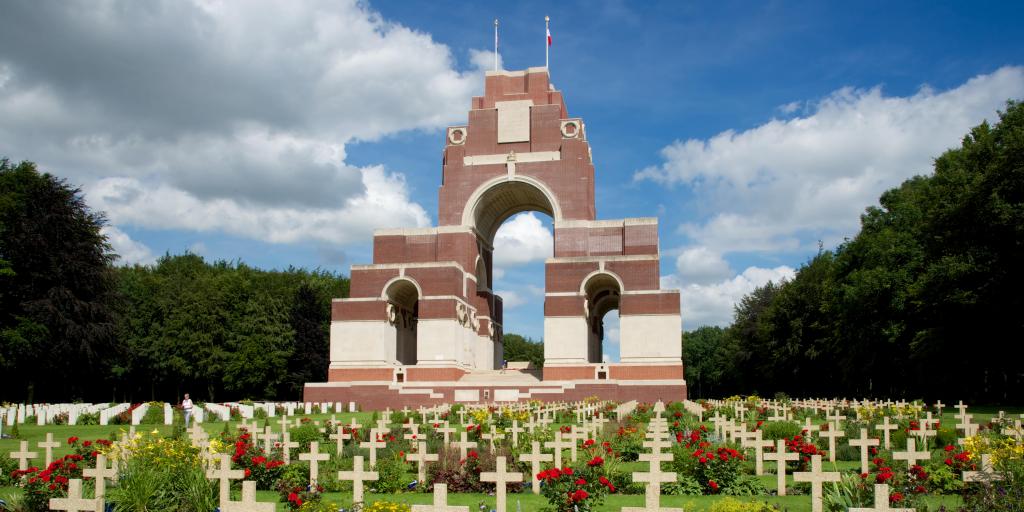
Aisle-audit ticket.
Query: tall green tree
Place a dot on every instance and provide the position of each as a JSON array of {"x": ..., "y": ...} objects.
[
  {"x": 56, "y": 316},
  {"x": 520, "y": 348}
]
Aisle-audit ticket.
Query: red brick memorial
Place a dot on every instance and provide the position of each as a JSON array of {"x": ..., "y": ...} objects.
[{"x": 423, "y": 326}]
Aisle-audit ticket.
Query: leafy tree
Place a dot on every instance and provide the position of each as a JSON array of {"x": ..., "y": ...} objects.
[
  {"x": 519, "y": 348},
  {"x": 709, "y": 359},
  {"x": 56, "y": 317},
  {"x": 309, "y": 319}
]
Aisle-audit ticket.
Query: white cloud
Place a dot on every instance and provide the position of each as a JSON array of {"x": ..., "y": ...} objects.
[
  {"x": 198, "y": 248},
  {"x": 235, "y": 111},
  {"x": 785, "y": 184},
  {"x": 698, "y": 265},
  {"x": 384, "y": 203},
  {"x": 521, "y": 240},
  {"x": 510, "y": 299},
  {"x": 712, "y": 304},
  {"x": 129, "y": 251}
]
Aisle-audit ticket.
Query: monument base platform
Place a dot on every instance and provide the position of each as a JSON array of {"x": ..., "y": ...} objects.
[{"x": 370, "y": 395}]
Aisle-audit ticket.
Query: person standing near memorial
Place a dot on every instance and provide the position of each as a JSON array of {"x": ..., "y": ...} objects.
[{"x": 186, "y": 407}]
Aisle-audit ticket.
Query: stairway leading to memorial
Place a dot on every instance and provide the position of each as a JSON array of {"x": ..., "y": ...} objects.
[{"x": 499, "y": 377}]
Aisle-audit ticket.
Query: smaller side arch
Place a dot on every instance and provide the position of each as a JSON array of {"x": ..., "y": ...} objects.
[
  {"x": 596, "y": 274},
  {"x": 392, "y": 290}
]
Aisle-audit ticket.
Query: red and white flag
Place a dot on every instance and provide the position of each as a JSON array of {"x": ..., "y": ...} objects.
[{"x": 549, "y": 36}]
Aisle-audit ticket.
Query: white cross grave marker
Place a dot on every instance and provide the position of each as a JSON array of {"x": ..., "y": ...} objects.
[
  {"x": 314, "y": 457},
  {"x": 248, "y": 502},
  {"x": 440, "y": 502},
  {"x": 357, "y": 476},
  {"x": 881, "y": 502},
  {"x": 500, "y": 477},
  {"x": 23, "y": 456},
  {"x": 535, "y": 457},
  {"x": 781, "y": 456},
  {"x": 74, "y": 502},
  {"x": 225, "y": 474},
  {"x": 864, "y": 443},
  {"x": 816, "y": 477}
]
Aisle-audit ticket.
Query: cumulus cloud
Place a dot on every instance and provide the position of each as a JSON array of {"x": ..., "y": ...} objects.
[
  {"x": 129, "y": 251},
  {"x": 787, "y": 183},
  {"x": 238, "y": 111},
  {"x": 712, "y": 304},
  {"x": 521, "y": 240},
  {"x": 698, "y": 265},
  {"x": 510, "y": 299},
  {"x": 383, "y": 204}
]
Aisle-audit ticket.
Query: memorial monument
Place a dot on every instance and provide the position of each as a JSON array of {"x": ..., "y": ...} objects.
[{"x": 423, "y": 325}]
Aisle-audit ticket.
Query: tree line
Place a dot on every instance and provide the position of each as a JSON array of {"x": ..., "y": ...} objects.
[
  {"x": 925, "y": 301},
  {"x": 74, "y": 326}
]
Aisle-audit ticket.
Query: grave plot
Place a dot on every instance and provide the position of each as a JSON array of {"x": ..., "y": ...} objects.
[{"x": 748, "y": 454}]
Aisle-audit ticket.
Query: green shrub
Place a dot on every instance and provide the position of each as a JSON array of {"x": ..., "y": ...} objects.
[
  {"x": 775, "y": 430},
  {"x": 304, "y": 435},
  {"x": 685, "y": 486},
  {"x": 745, "y": 485},
  {"x": 390, "y": 474},
  {"x": 89, "y": 418},
  {"x": 7, "y": 465}
]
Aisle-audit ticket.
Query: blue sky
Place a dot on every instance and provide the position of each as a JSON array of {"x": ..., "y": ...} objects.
[{"x": 283, "y": 133}]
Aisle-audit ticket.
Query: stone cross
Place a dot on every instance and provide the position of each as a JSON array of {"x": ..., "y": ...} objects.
[
  {"x": 74, "y": 502},
  {"x": 248, "y": 502},
  {"x": 558, "y": 445},
  {"x": 500, "y": 477},
  {"x": 357, "y": 476},
  {"x": 314, "y": 457},
  {"x": 962, "y": 407},
  {"x": 284, "y": 424},
  {"x": 832, "y": 433},
  {"x": 421, "y": 458},
  {"x": 446, "y": 431},
  {"x": 863, "y": 442},
  {"x": 576, "y": 436},
  {"x": 816, "y": 477},
  {"x": 758, "y": 445},
  {"x": 912, "y": 456},
  {"x": 100, "y": 473},
  {"x": 881, "y": 502},
  {"x": 373, "y": 444},
  {"x": 269, "y": 437},
  {"x": 464, "y": 445},
  {"x": 535, "y": 457},
  {"x": 780, "y": 457},
  {"x": 653, "y": 478},
  {"x": 967, "y": 426},
  {"x": 225, "y": 474},
  {"x": 836, "y": 418},
  {"x": 492, "y": 436},
  {"x": 985, "y": 474},
  {"x": 286, "y": 447},
  {"x": 939, "y": 406},
  {"x": 440, "y": 502},
  {"x": 515, "y": 429},
  {"x": 886, "y": 427},
  {"x": 340, "y": 436},
  {"x": 48, "y": 446},
  {"x": 23, "y": 456},
  {"x": 808, "y": 426}
]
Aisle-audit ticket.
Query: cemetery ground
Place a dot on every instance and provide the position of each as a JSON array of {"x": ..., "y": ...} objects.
[{"x": 616, "y": 434}]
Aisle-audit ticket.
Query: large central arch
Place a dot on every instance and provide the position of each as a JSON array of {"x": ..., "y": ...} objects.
[{"x": 493, "y": 202}]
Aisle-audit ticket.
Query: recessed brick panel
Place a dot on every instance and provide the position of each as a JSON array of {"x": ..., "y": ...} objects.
[
  {"x": 636, "y": 274},
  {"x": 370, "y": 283},
  {"x": 641, "y": 239},
  {"x": 437, "y": 280},
  {"x": 359, "y": 310},
  {"x": 567, "y": 276},
  {"x": 437, "y": 309},
  {"x": 563, "y": 306},
  {"x": 663, "y": 303}
]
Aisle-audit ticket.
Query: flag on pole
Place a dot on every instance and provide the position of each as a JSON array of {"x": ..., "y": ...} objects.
[
  {"x": 549, "y": 36},
  {"x": 547, "y": 47}
]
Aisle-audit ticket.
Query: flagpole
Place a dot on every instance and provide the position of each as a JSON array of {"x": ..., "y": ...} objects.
[
  {"x": 495, "y": 44},
  {"x": 547, "y": 47}
]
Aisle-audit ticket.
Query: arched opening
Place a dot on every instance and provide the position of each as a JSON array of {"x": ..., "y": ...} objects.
[
  {"x": 513, "y": 260},
  {"x": 403, "y": 313},
  {"x": 603, "y": 291}
]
